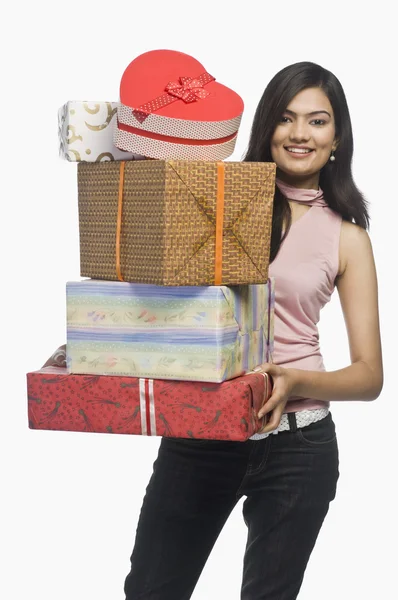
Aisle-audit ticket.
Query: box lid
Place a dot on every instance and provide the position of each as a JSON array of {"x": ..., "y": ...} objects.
[{"x": 167, "y": 83}]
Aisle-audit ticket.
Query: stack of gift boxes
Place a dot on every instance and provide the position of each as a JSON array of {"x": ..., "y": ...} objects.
[{"x": 177, "y": 307}]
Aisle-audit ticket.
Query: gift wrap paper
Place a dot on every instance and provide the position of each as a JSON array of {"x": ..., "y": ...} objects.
[
  {"x": 61, "y": 401},
  {"x": 176, "y": 222},
  {"x": 86, "y": 131},
  {"x": 209, "y": 334}
]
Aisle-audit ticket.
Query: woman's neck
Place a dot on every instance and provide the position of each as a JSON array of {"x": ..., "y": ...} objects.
[{"x": 310, "y": 182}]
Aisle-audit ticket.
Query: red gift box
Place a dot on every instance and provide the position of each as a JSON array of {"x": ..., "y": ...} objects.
[
  {"x": 61, "y": 401},
  {"x": 172, "y": 108}
]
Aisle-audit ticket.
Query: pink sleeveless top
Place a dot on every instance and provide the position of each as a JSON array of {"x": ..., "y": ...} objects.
[{"x": 305, "y": 270}]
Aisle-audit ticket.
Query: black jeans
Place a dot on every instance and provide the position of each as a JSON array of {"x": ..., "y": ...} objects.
[{"x": 288, "y": 480}]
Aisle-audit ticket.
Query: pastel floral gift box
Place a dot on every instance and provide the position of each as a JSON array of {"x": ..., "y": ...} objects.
[{"x": 192, "y": 333}]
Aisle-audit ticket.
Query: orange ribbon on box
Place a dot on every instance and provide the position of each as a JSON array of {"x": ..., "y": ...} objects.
[
  {"x": 219, "y": 223},
  {"x": 119, "y": 220}
]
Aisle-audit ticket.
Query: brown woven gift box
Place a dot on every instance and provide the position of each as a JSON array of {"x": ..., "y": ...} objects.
[{"x": 176, "y": 222}]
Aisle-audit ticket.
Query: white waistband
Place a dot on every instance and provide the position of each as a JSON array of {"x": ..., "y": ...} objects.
[{"x": 303, "y": 418}]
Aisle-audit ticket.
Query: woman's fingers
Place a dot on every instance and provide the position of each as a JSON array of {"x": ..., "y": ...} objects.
[
  {"x": 270, "y": 405},
  {"x": 274, "y": 420},
  {"x": 263, "y": 367}
]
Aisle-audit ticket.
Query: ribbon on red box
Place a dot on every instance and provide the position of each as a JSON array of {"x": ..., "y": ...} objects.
[
  {"x": 187, "y": 89},
  {"x": 147, "y": 407}
]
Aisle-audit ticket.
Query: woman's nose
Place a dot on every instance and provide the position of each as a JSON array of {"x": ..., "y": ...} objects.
[{"x": 299, "y": 131}]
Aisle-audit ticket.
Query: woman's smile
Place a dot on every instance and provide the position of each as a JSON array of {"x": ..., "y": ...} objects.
[{"x": 299, "y": 151}]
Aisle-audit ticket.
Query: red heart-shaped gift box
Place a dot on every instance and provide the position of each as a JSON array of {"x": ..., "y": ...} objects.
[{"x": 171, "y": 108}]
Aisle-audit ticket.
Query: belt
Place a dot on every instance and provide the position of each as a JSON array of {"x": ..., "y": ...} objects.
[{"x": 300, "y": 419}]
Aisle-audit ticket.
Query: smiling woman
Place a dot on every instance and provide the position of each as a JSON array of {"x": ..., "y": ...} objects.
[{"x": 302, "y": 123}]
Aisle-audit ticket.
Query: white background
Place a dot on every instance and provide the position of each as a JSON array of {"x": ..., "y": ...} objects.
[{"x": 70, "y": 502}]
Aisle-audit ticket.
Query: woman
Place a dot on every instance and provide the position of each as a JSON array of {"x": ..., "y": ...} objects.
[{"x": 319, "y": 241}]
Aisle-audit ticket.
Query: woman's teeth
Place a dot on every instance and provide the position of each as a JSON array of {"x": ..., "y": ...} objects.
[{"x": 299, "y": 150}]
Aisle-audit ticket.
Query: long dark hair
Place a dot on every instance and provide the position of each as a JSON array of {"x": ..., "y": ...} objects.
[{"x": 336, "y": 181}]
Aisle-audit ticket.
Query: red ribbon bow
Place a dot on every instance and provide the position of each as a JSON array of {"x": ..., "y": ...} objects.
[{"x": 188, "y": 89}]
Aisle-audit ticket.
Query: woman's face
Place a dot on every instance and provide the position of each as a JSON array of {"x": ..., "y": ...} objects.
[{"x": 304, "y": 139}]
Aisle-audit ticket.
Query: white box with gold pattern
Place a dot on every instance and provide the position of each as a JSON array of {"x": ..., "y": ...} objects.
[{"x": 86, "y": 131}]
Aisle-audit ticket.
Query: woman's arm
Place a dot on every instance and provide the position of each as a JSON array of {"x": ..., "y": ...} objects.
[
  {"x": 363, "y": 379},
  {"x": 357, "y": 287}
]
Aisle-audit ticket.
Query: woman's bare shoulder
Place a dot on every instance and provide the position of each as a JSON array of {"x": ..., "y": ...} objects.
[{"x": 353, "y": 239}]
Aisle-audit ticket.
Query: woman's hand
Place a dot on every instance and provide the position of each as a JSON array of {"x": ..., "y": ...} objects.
[
  {"x": 57, "y": 359},
  {"x": 284, "y": 381}
]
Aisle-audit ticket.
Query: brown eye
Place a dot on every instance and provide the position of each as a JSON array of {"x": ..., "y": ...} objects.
[{"x": 318, "y": 122}]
